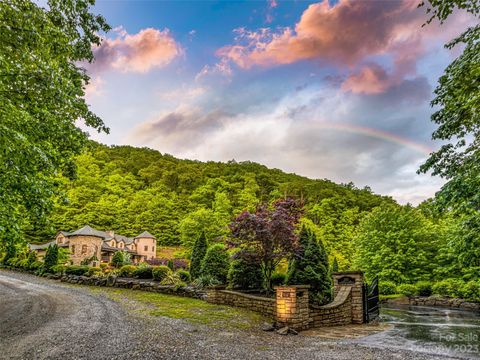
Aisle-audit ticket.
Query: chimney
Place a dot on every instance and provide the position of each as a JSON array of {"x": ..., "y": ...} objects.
[{"x": 110, "y": 233}]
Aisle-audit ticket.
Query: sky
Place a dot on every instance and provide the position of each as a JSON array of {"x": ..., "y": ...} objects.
[{"x": 338, "y": 90}]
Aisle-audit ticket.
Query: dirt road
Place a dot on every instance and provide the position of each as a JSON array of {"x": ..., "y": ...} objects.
[{"x": 44, "y": 319}]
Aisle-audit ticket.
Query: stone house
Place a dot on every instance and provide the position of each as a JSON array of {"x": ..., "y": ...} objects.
[{"x": 89, "y": 243}]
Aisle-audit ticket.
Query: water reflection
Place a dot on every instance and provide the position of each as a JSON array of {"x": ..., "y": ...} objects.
[{"x": 430, "y": 330}]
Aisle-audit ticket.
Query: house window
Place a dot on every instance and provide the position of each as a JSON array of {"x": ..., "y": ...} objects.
[
  {"x": 146, "y": 247},
  {"x": 121, "y": 245},
  {"x": 73, "y": 249},
  {"x": 84, "y": 249}
]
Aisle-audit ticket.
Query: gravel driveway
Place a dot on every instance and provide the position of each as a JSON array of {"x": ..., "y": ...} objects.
[{"x": 45, "y": 319}]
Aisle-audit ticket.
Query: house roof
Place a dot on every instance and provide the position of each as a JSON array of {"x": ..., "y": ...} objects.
[
  {"x": 125, "y": 239},
  {"x": 145, "y": 234},
  {"x": 89, "y": 231},
  {"x": 64, "y": 233},
  {"x": 107, "y": 248},
  {"x": 41, "y": 246}
]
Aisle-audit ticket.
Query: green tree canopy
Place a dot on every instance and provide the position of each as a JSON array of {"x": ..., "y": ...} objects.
[
  {"x": 311, "y": 268},
  {"x": 41, "y": 99},
  {"x": 397, "y": 243},
  {"x": 457, "y": 98}
]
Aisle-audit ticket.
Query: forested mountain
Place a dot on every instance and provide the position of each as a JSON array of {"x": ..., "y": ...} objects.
[{"x": 130, "y": 190}]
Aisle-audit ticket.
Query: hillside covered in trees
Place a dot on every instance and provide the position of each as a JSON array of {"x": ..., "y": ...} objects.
[{"x": 130, "y": 189}]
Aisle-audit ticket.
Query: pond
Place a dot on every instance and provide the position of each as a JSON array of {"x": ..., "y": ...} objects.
[{"x": 430, "y": 330}]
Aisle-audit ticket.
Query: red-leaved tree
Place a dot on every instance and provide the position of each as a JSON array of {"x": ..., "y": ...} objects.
[{"x": 268, "y": 235}]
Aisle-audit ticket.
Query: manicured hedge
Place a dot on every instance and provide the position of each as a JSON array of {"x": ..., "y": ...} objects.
[
  {"x": 143, "y": 272},
  {"x": 160, "y": 272},
  {"x": 76, "y": 269}
]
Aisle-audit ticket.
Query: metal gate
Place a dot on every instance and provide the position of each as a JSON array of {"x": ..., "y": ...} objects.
[{"x": 371, "y": 304}]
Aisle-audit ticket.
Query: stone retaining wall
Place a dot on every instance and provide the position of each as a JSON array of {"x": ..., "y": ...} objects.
[
  {"x": 436, "y": 301},
  {"x": 262, "y": 305},
  {"x": 291, "y": 305},
  {"x": 338, "y": 312},
  {"x": 135, "y": 284}
]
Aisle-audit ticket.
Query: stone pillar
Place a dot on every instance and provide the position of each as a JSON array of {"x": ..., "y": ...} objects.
[
  {"x": 353, "y": 279},
  {"x": 291, "y": 306},
  {"x": 214, "y": 295}
]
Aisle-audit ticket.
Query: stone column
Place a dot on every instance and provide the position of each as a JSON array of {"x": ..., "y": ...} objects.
[
  {"x": 291, "y": 306},
  {"x": 214, "y": 295},
  {"x": 355, "y": 280}
]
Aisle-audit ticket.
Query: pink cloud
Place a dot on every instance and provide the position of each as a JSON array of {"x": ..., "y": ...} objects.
[
  {"x": 148, "y": 49},
  {"x": 371, "y": 79},
  {"x": 344, "y": 33},
  {"x": 348, "y": 35}
]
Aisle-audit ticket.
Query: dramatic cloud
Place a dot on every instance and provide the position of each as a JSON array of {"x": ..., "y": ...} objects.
[
  {"x": 181, "y": 129},
  {"x": 148, "y": 49},
  {"x": 313, "y": 132},
  {"x": 372, "y": 79},
  {"x": 348, "y": 35},
  {"x": 343, "y": 33}
]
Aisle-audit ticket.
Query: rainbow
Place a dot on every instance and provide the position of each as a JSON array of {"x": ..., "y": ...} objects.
[{"x": 378, "y": 134}]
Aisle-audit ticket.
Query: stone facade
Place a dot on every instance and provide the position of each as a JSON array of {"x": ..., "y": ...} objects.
[
  {"x": 262, "y": 305},
  {"x": 82, "y": 247}
]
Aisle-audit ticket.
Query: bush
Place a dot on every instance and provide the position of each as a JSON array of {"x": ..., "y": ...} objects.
[
  {"x": 245, "y": 275},
  {"x": 13, "y": 261},
  {"x": 121, "y": 258},
  {"x": 471, "y": 291},
  {"x": 36, "y": 265},
  {"x": 94, "y": 271},
  {"x": 387, "y": 287},
  {"x": 32, "y": 257},
  {"x": 103, "y": 266},
  {"x": 143, "y": 272},
  {"x": 23, "y": 264},
  {"x": 160, "y": 272},
  {"x": 172, "y": 278},
  {"x": 278, "y": 279},
  {"x": 58, "y": 269},
  {"x": 184, "y": 275},
  {"x": 126, "y": 271},
  {"x": 216, "y": 263},
  {"x": 205, "y": 280},
  {"x": 424, "y": 288},
  {"x": 407, "y": 289},
  {"x": 51, "y": 257},
  {"x": 198, "y": 253},
  {"x": 448, "y": 287},
  {"x": 76, "y": 269}
]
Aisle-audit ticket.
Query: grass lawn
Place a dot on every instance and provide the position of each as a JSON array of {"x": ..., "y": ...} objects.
[
  {"x": 192, "y": 310},
  {"x": 170, "y": 252}
]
